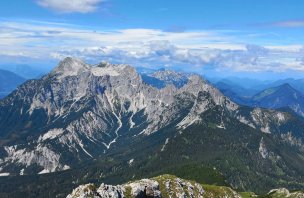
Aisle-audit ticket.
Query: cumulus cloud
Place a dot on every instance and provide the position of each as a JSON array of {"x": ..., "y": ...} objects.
[
  {"x": 69, "y": 6},
  {"x": 158, "y": 52},
  {"x": 164, "y": 53},
  {"x": 252, "y": 58},
  {"x": 145, "y": 47}
]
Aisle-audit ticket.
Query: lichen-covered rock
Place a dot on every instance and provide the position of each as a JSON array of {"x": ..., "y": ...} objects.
[
  {"x": 145, "y": 188},
  {"x": 176, "y": 187},
  {"x": 283, "y": 192},
  {"x": 165, "y": 186},
  {"x": 109, "y": 191},
  {"x": 84, "y": 191},
  {"x": 138, "y": 189},
  {"x": 169, "y": 186}
]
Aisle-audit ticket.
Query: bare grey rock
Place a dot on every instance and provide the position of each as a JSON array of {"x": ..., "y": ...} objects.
[{"x": 83, "y": 107}]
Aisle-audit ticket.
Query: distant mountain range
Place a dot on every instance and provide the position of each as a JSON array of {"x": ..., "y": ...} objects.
[
  {"x": 8, "y": 82},
  {"x": 243, "y": 87},
  {"x": 25, "y": 71},
  {"x": 163, "y": 78},
  {"x": 278, "y": 97},
  {"x": 104, "y": 122},
  {"x": 246, "y": 87},
  {"x": 11, "y": 76},
  {"x": 235, "y": 92},
  {"x": 298, "y": 84}
]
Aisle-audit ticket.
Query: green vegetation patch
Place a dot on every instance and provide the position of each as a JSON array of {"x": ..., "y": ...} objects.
[
  {"x": 199, "y": 173},
  {"x": 128, "y": 192}
]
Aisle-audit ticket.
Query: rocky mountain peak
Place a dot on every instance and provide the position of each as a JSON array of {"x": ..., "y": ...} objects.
[
  {"x": 179, "y": 79},
  {"x": 75, "y": 67},
  {"x": 287, "y": 87},
  {"x": 196, "y": 79},
  {"x": 69, "y": 67},
  {"x": 164, "y": 77},
  {"x": 104, "y": 64},
  {"x": 285, "y": 90},
  {"x": 166, "y": 74}
]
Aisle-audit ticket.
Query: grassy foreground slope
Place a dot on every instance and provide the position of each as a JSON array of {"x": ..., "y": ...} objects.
[{"x": 170, "y": 186}]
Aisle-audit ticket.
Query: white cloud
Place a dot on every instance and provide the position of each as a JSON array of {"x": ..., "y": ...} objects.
[
  {"x": 145, "y": 47},
  {"x": 69, "y": 6},
  {"x": 287, "y": 48},
  {"x": 151, "y": 53}
]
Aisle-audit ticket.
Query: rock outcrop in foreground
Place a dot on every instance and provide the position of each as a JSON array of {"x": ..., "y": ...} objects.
[
  {"x": 169, "y": 186},
  {"x": 283, "y": 192},
  {"x": 165, "y": 186}
]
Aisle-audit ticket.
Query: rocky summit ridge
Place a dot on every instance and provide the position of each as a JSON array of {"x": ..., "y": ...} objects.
[{"x": 163, "y": 186}]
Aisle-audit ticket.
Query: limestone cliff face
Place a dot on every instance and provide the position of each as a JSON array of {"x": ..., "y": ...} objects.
[{"x": 80, "y": 112}]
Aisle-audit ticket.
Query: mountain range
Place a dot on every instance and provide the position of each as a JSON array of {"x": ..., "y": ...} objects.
[
  {"x": 104, "y": 122},
  {"x": 283, "y": 96},
  {"x": 280, "y": 97},
  {"x": 24, "y": 70},
  {"x": 8, "y": 82},
  {"x": 298, "y": 84},
  {"x": 162, "y": 78}
]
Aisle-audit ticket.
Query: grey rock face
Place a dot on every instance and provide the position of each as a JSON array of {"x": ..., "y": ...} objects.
[
  {"x": 145, "y": 188},
  {"x": 109, "y": 191},
  {"x": 80, "y": 112},
  {"x": 84, "y": 191},
  {"x": 139, "y": 189}
]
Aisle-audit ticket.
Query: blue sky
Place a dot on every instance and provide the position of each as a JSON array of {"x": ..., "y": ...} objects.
[{"x": 214, "y": 37}]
